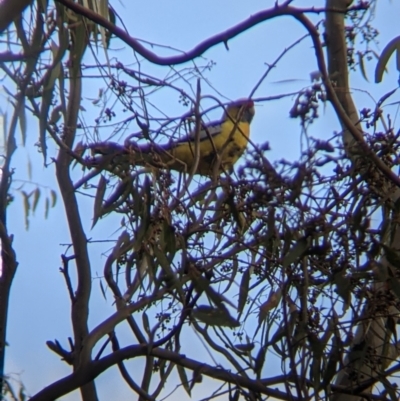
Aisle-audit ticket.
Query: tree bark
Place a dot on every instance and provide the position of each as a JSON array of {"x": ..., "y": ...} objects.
[
  {"x": 372, "y": 335},
  {"x": 11, "y": 9},
  {"x": 80, "y": 302}
]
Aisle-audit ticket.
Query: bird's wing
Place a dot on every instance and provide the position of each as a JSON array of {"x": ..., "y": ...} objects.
[{"x": 210, "y": 130}]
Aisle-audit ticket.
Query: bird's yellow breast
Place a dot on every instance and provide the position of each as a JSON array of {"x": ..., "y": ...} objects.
[{"x": 220, "y": 151}]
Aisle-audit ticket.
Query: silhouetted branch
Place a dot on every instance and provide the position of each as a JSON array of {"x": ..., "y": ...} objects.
[
  {"x": 95, "y": 368},
  {"x": 223, "y": 37}
]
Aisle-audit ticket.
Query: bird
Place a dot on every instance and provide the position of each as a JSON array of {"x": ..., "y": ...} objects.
[{"x": 218, "y": 145}]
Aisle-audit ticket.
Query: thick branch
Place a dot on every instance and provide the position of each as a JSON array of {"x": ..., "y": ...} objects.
[
  {"x": 7, "y": 273},
  {"x": 372, "y": 333},
  {"x": 80, "y": 303},
  {"x": 95, "y": 368},
  {"x": 338, "y": 70},
  {"x": 8, "y": 258},
  {"x": 10, "y": 10},
  {"x": 346, "y": 121},
  {"x": 223, "y": 37}
]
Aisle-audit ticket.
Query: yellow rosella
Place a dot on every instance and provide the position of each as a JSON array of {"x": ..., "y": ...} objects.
[{"x": 219, "y": 145}]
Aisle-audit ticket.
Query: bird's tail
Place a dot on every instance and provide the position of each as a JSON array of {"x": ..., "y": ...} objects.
[{"x": 112, "y": 156}]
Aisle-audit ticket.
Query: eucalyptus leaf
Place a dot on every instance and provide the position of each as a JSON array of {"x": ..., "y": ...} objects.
[{"x": 214, "y": 316}]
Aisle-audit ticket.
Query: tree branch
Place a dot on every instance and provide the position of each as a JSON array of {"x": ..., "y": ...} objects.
[
  {"x": 10, "y": 10},
  {"x": 95, "y": 368},
  {"x": 223, "y": 37}
]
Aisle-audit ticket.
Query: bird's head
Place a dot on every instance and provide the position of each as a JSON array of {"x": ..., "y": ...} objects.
[{"x": 242, "y": 109}]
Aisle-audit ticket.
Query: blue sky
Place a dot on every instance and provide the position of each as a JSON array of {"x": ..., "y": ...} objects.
[{"x": 39, "y": 309}]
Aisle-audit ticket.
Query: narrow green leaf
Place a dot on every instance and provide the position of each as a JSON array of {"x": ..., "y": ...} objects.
[
  {"x": 113, "y": 19},
  {"x": 146, "y": 324},
  {"x": 183, "y": 377},
  {"x": 331, "y": 367},
  {"x": 49, "y": 82},
  {"x": 317, "y": 348},
  {"x": 362, "y": 66},
  {"x": 122, "y": 246},
  {"x": 79, "y": 48},
  {"x": 102, "y": 289},
  {"x": 387, "y": 52},
  {"x": 22, "y": 121},
  {"x": 46, "y": 207},
  {"x": 243, "y": 291},
  {"x": 385, "y": 97},
  {"x": 55, "y": 115},
  {"x": 163, "y": 261},
  {"x": 260, "y": 359},
  {"x": 272, "y": 302},
  {"x": 36, "y": 42},
  {"x": 203, "y": 284},
  {"x": 245, "y": 347},
  {"x": 214, "y": 316},
  {"x": 343, "y": 287},
  {"x": 36, "y": 197},
  {"x": 29, "y": 166},
  {"x": 116, "y": 199},
  {"x": 141, "y": 232},
  {"x": 98, "y": 200},
  {"x": 53, "y": 195},
  {"x": 169, "y": 240},
  {"x": 170, "y": 277},
  {"x": 25, "y": 198},
  {"x": 295, "y": 252}
]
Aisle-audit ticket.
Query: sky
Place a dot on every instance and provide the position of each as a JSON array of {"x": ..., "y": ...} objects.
[{"x": 39, "y": 308}]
